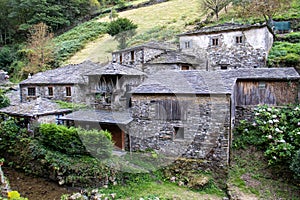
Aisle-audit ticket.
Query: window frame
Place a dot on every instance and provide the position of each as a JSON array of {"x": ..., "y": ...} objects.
[
  {"x": 50, "y": 91},
  {"x": 187, "y": 44},
  {"x": 239, "y": 39},
  {"x": 68, "y": 91},
  {"x": 31, "y": 91}
]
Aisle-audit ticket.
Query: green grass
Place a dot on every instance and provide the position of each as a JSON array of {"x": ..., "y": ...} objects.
[
  {"x": 162, "y": 21},
  {"x": 263, "y": 182},
  {"x": 150, "y": 186}
]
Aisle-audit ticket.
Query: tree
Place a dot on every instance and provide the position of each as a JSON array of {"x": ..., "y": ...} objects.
[
  {"x": 214, "y": 5},
  {"x": 122, "y": 29},
  {"x": 39, "y": 49},
  {"x": 264, "y": 8}
]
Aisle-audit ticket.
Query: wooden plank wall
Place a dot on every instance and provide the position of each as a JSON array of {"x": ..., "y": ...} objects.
[{"x": 274, "y": 92}]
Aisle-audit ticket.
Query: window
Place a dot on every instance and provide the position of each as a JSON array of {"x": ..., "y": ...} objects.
[
  {"x": 132, "y": 56},
  {"x": 185, "y": 67},
  {"x": 187, "y": 44},
  {"x": 179, "y": 133},
  {"x": 31, "y": 91},
  {"x": 262, "y": 85},
  {"x": 121, "y": 59},
  {"x": 215, "y": 42},
  {"x": 50, "y": 91},
  {"x": 168, "y": 110},
  {"x": 239, "y": 40},
  {"x": 68, "y": 91},
  {"x": 223, "y": 67}
]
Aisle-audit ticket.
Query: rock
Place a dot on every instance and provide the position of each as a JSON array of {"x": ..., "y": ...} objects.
[
  {"x": 75, "y": 196},
  {"x": 61, "y": 182},
  {"x": 180, "y": 183},
  {"x": 113, "y": 195},
  {"x": 198, "y": 182},
  {"x": 173, "y": 179}
]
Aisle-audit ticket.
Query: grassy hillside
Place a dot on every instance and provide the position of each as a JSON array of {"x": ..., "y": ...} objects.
[{"x": 161, "y": 21}]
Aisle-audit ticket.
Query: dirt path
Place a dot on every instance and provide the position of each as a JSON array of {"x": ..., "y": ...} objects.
[{"x": 35, "y": 188}]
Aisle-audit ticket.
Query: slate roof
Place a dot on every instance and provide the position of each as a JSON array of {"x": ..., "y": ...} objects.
[
  {"x": 114, "y": 69},
  {"x": 171, "y": 57},
  {"x": 152, "y": 45},
  {"x": 38, "y": 107},
  {"x": 102, "y": 116},
  {"x": 208, "y": 82},
  {"x": 69, "y": 74},
  {"x": 223, "y": 28}
]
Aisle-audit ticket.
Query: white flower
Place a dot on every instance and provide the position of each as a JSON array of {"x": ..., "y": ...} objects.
[
  {"x": 297, "y": 108},
  {"x": 275, "y": 120},
  {"x": 269, "y": 109},
  {"x": 284, "y": 149},
  {"x": 265, "y": 122},
  {"x": 298, "y": 133},
  {"x": 278, "y": 130},
  {"x": 246, "y": 130},
  {"x": 298, "y": 123},
  {"x": 254, "y": 124},
  {"x": 282, "y": 141},
  {"x": 270, "y": 121},
  {"x": 269, "y": 136},
  {"x": 274, "y": 157},
  {"x": 274, "y": 116},
  {"x": 257, "y": 114}
]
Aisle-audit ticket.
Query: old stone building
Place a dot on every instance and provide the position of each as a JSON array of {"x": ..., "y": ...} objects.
[
  {"x": 66, "y": 83},
  {"x": 192, "y": 113},
  {"x": 229, "y": 45}
]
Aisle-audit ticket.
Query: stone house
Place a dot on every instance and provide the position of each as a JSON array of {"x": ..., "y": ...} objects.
[
  {"x": 66, "y": 83},
  {"x": 138, "y": 55},
  {"x": 192, "y": 113},
  {"x": 38, "y": 110},
  {"x": 108, "y": 94},
  {"x": 229, "y": 45}
]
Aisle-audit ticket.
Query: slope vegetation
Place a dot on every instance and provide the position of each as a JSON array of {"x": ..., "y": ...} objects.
[{"x": 160, "y": 22}]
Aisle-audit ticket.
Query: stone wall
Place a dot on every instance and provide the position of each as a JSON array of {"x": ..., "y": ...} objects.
[
  {"x": 240, "y": 56},
  {"x": 141, "y": 56},
  {"x": 120, "y": 96},
  {"x": 59, "y": 92},
  {"x": 206, "y": 127}
]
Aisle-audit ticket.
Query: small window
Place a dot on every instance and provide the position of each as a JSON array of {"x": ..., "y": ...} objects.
[
  {"x": 132, "y": 55},
  {"x": 262, "y": 85},
  {"x": 121, "y": 59},
  {"x": 31, "y": 91},
  {"x": 187, "y": 44},
  {"x": 185, "y": 67},
  {"x": 215, "y": 42},
  {"x": 50, "y": 91},
  {"x": 224, "y": 67},
  {"x": 179, "y": 132},
  {"x": 239, "y": 40},
  {"x": 68, "y": 91}
]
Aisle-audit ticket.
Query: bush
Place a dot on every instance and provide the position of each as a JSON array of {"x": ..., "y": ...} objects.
[
  {"x": 97, "y": 143},
  {"x": 76, "y": 141},
  {"x": 292, "y": 37},
  {"x": 276, "y": 131},
  {"x": 284, "y": 54},
  {"x": 295, "y": 165},
  {"x": 60, "y": 138}
]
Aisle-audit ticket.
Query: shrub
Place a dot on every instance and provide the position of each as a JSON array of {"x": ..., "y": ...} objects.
[
  {"x": 61, "y": 138},
  {"x": 97, "y": 143},
  {"x": 295, "y": 165},
  {"x": 276, "y": 131}
]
